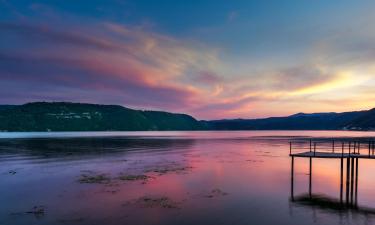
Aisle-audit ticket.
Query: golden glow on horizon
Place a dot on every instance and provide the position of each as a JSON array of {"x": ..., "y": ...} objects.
[{"x": 345, "y": 79}]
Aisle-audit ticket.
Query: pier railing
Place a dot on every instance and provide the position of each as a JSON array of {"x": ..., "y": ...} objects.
[
  {"x": 345, "y": 147},
  {"x": 349, "y": 150}
]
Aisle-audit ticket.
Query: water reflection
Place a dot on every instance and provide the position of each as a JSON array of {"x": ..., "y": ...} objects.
[
  {"x": 83, "y": 148},
  {"x": 321, "y": 205},
  {"x": 349, "y": 152},
  {"x": 178, "y": 178},
  {"x": 334, "y": 205}
]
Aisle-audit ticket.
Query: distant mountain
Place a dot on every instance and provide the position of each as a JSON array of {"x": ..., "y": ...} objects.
[
  {"x": 359, "y": 120},
  {"x": 6, "y": 106},
  {"x": 365, "y": 121},
  {"x": 312, "y": 114},
  {"x": 64, "y": 116}
]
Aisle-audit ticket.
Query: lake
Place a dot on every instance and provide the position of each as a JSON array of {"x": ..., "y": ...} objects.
[{"x": 237, "y": 177}]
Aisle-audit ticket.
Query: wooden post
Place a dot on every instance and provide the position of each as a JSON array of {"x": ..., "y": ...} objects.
[
  {"x": 347, "y": 179},
  {"x": 369, "y": 148},
  {"x": 292, "y": 180},
  {"x": 356, "y": 181},
  {"x": 342, "y": 150},
  {"x": 341, "y": 177},
  {"x": 359, "y": 147},
  {"x": 314, "y": 148},
  {"x": 310, "y": 176},
  {"x": 290, "y": 148},
  {"x": 352, "y": 181}
]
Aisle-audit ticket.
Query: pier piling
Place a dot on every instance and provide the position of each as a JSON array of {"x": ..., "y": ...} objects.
[
  {"x": 310, "y": 177},
  {"x": 356, "y": 182},
  {"x": 350, "y": 150},
  {"x": 292, "y": 180},
  {"x": 341, "y": 177},
  {"x": 352, "y": 180},
  {"x": 347, "y": 179}
]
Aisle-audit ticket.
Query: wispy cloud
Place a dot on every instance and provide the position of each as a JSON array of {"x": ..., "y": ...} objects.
[
  {"x": 108, "y": 62},
  {"x": 136, "y": 67}
]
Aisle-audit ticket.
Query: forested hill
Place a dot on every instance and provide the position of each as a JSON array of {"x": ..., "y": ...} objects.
[
  {"x": 358, "y": 120},
  {"x": 366, "y": 121},
  {"x": 64, "y": 116}
]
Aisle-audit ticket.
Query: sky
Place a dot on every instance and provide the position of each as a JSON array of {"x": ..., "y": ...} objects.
[{"x": 211, "y": 59}]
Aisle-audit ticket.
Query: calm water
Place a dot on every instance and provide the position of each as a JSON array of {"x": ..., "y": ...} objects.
[{"x": 179, "y": 178}]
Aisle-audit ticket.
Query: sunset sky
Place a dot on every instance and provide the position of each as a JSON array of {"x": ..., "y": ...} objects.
[{"x": 210, "y": 59}]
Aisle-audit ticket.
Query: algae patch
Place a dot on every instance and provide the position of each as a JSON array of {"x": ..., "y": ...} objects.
[
  {"x": 102, "y": 178},
  {"x": 214, "y": 193},
  {"x": 170, "y": 169},
  {"x": 94, "y": 179},
  {"x": 154, "y": 202},
  {"x": 131, "y": 177}
]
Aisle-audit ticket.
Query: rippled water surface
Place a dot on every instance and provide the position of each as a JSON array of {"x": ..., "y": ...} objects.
[{"x": 174, "y": 178}]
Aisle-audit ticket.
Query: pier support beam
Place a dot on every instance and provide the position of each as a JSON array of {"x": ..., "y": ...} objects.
[
  {"x": 310, "y": 177},
  {"x": 341, "y": 178},
  {"x": 292, "y": 180},
  {"x": 356, "y": 182},
  {"x": 350, "y": 193},
  {"x": 347, "y": 180},
  {"x": 352, "y": 181}
]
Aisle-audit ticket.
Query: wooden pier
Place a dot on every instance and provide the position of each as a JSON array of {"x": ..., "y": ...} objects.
[{"x": 344, "y": 150}]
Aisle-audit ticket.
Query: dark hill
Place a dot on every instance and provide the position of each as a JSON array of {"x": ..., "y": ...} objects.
[
  {"x": 64, "y": 116},
  {"x": 364, "y": 122},
  {"x": 300, "y": 121}
]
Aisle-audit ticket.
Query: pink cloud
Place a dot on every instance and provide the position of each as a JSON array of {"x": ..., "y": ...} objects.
[
  {"x": 207, "y": 77},
  {"x": 125, "y": 71},
  {"x": 112, "y": 64}
]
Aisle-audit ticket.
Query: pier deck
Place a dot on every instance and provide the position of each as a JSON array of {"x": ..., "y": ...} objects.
[
  {"x": 332, "y": 155},
  {"x": 349, "y": 151}
]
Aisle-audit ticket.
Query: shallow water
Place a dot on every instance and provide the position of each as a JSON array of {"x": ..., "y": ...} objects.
[{"x": 240, "y": 177}]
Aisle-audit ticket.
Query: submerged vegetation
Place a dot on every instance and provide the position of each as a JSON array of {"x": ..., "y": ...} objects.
[
  {"x": 169, "y": 169},
  {"x": 91, "y": 177},
  {"x": 94, "y": 178},
  {"x": 214, "y": 193},
  {"x": 154, "y": 202},
  {"x": 133, "y": 177},
  {"x": 37, "y": 210}
]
